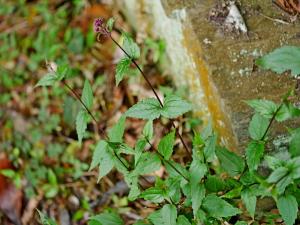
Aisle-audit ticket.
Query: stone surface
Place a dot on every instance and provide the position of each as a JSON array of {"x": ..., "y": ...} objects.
[{"x": 218, "y": 65}]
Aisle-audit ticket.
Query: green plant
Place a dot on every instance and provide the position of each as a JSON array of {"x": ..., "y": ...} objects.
[{"x": 210, "y": 187}]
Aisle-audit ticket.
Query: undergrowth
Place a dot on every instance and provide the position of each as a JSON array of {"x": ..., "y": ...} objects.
[{"x": 216, "y": 185}]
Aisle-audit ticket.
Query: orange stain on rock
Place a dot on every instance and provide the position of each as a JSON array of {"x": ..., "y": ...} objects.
[{"x": 221, "y": 121}]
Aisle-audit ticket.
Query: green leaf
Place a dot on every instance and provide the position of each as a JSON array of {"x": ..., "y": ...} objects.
[
  {"x": 107, "y": 218},
  {"x": 230, "y": 162},
  {"x": 103, "y": 158},
  {"x": 165, "y": 146},
  {"x": 265, "y": 108},
  {"x": 214, "y": 184},
  {"x": 52, "y": 177},
  {"x": 81, "y": 124},
  {"x": 197, "y": 195},
  {"x": 234, "y": 193},
  {"x": 294, "y": 147},
  {"x": 173, "y": 188},
  {"x": 217, "y": 207},
  {"x": 287, "y": 111},
  {"x": 139, "y": 148},
  {"x": 87, "y": 95},
  {"x": 241, "y": 223},
  {"x": 258, "y": 127},
  {"x": 148, "y": 130},
  {"x": 62, "y": 71},
  {"x": 45, "y": 220},
  {"x": 182, "y": 220},
  {"x": 274, "y": 162},
  {"x": 254, "y": 152},
  {"x": 145, "y": 109},
  {"x": 130, "y": 46},
  {"x": 47, "y": 80},
  {"x": 288, "y": 208},
  {"x": 121, "y": 69},
  {"x": 249, "y": 200},
  {"x": 165, "y": 216},
  {"x": 132, "y": 181},
  {"x": 115, "y": 134},
  {"x": 153, "y": 194},
  {"x": 281, "y": 60},
  {"x": 174, "y": 106},
  {"x": 277, "y": 174},
  {"x": 210, "y": 148},
  {"x": 110, "y": 24},
  {"x": 148, "y": 163},
  {"x": 172, "y": 172},
  {"x": 283, "y": 183},
  {"x": 197, "y": 170}
]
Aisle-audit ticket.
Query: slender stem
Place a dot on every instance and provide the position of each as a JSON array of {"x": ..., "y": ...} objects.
[
  {"x": 271, "y": 121},
  {"x": 152, "y": 88},
  {"x": 166, "y": 161}
]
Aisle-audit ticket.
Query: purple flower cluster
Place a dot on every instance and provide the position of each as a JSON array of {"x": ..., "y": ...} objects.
[{"x": 99, "y": 26}]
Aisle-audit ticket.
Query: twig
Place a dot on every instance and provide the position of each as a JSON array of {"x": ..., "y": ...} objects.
[{"x": 274, "y": 19}]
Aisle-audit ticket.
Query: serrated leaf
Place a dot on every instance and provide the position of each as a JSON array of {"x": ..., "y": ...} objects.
[
  {"x": 148, "y": 130},
  {"x": 283, "y": 183},
  {"x": 214, "y": 184},
  {"x": 145, "y": 109},
  {"x": 197, "y": 195},
  {"x": 265, "y": 108},
  {"x": 148, "y": 163},
  {"x": 103, "y": 158},
  {"x": 277, "y": 174},
  {"x": 139, "y": 148},
  {"x": 132, "y": 181},
  {"x": 81, "y": 124},
  {"x": 217, "y": 207},
  {"x": 153, "y": 194},
  {"x": 230, "y": 162},
  {"x": 288, "y": 208},
  {"x": 254, "y": 152},
  {"x": 174, "y": 106},
  {"x": 197, "y": 171},
  {"x": 287, "y": 111},
  {"x": 182, "y": 220},
  {"x": 165, "y": 146},
  {"x": 115, "y": 134},
  {"x": 121, "y": 69},
  {"x": 273, "y": 162},
  {"x": 281, "y": 60},
  {"x": 165, "y": 216},
  {"x": 294, "y": 147},
  {"x": 47, "y": 80},
  {"x": 258, "y": 127},
  {"x": 107, "y": 218},
  {"x": 173, "y": 172},
  {"x": 249, "y": 199},
  {"x": 87, "y": 94},
  {"x": 210, "y": 147},
  {"x": 130, "y": 46}
]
